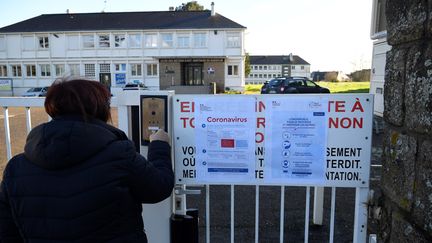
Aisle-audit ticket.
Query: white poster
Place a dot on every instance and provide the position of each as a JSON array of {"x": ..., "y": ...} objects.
[
  {"x": 296, "y": 129},
  {"x": 225, "y": 139}
]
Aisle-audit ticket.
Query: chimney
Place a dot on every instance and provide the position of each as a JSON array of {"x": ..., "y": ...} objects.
[
  {"x": 212, "y": 9},
  {"x": 171, "y": 9},
  {"x": 291, "y": 57},
  {"x": 67, "y": 11}
]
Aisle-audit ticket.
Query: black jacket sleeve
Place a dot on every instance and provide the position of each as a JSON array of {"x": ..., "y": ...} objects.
[
  {"x": 9, "y": 232},
  {"x": 152, "y": 181}
]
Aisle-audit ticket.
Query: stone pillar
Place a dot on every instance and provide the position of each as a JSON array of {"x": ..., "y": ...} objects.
[{"x": 407, "y": 142}]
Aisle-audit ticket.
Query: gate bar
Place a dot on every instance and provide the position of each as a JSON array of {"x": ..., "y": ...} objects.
[
  {"x": 306, "y": 232},
  {"x": 282, "y": 215},
  {"x": 256, "y": 213},
  {"x": 332, "y": 213},
  {"x": 232, "y": 213},
  {"x": 28, "y": 120},
  {"x": 7, "y": 133},
  {"x": 207, "y": 213}
]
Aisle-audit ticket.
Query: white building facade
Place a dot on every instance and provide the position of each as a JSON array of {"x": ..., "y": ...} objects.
[
  {"x": 380, "y": 49},
  {"x": 264, "y": 68},
  {"x": 176, "y": 52}
]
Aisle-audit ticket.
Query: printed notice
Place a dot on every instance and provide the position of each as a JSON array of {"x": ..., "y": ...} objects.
[
  {"x": 296, "y": 129},
  {"x": 225, "y": 139}
]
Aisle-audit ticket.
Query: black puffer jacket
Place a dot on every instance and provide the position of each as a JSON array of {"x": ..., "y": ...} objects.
[{"x": 81, "y": 182}]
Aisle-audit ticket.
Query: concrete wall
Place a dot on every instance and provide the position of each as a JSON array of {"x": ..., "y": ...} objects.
[{"x": 407, "y": 142}]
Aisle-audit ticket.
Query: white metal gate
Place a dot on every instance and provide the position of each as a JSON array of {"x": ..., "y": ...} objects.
[{"x": 361, "y": 192}]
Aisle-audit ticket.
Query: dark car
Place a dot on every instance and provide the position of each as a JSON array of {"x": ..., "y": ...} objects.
[
  {"x": 264, "y": 87},
  {"x": 293, "y": 85}
]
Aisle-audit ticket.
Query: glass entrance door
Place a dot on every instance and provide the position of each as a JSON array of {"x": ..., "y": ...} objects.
[{"x": 193, "y": 73}]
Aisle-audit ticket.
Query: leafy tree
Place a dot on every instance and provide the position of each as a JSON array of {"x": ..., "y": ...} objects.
[
  {"x": 190, "y": 6},
  {"x": 247, "y": 68}
]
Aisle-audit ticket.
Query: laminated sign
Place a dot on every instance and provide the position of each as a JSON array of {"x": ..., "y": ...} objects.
[{"x": 316, "y": 140}]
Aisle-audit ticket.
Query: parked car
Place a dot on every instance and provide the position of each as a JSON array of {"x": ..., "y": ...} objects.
[
  {"x": 292, "y": 85},
  {"x": 36, "y": 92},
  {"x": 134, "y": 86}
]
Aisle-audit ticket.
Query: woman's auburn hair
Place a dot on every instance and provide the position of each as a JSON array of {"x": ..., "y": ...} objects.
[{"x": 86, "y": 98}]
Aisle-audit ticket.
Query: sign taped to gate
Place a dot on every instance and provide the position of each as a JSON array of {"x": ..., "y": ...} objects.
[{"x": 346, "y": 154}]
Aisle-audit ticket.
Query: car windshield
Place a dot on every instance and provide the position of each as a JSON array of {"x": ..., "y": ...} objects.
[
  {"x": 275, "y": 82},
  {"x": 37, "y": 89}
]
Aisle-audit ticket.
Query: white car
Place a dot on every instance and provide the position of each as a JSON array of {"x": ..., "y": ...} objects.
[{"x": 36, "y": 92}]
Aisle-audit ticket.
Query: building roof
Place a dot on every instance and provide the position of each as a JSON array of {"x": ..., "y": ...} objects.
[
  {"x": 274, "y": 60},
  {"x": 123, "y": 21}
]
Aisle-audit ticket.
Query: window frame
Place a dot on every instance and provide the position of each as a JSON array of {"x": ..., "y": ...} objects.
[
  {"x": 153, "y": 70},
  {"x": 89, "y": 70},
  {"x": 45, "y": 70},
  {"x": 72, "y": 70},
  {"x": 167, "y": 43},
  {"x": 231, "y": 42},
  {"x": 31, "y": 72},
  {"x": 16, "y": 70},
  {"x": 180, "y": 44},
  {"x": 136, "y": 69},
  {"x": 131, "y": 37},
  {"x": 233, "y": 70},
  {"x": 45, "y": 44},
  {"x": 200, "y": 40},
  {"x": 56, "y": 68},
  {"x": 120, "y": 43},
  {"x": 153, "y": 37},
  {"x": 3, "y": 71},
  {"x": 107, "y": 41},
  {"x": 69, "y": 40},
  {"x": 85, "y": 41}
]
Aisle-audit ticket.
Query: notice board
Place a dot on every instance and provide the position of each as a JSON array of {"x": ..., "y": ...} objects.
[{"x": 342, "y": 121}]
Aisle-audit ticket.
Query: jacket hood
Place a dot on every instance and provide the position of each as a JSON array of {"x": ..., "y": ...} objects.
[{"x": 68, "y": 141}]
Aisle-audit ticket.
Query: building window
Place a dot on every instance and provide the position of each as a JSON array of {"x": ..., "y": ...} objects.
[
  {"x": 120, "y": 67},
  {"x": 2, "y": 43},
  {"x": 302, "y": 67},
  {"x": 292, "y": 67},
  {"x": 136, "y": 69},
  {"x": 260, "y": 67},
  {"x": 73, "y": 42},
  {"x": 28, "y": 43},
  {"x": 59, "y": 70},
  {"x": 255, "y": 75},
  {"x": 150, "y": 40},
  {"x": 74, "y": 69},
  {"x": 31, "y": 70},
  {"x": 89, "y": 70},
  {"x": 104, "y": 68},
  {"x": 43, "y": 42},
  {"x": 16, "y": 71},
  {"x": 135, "y": 40},
  {"x": 265, "y": 67},
  {"x": 167, "y": 40},
  {"x": 233, "y": 40},
  {"x": 45, "y": 70},
  {"x": 232, "y": 70},
  {"x": 260, "y": 75},
  {"x": 183, "y": 41},
  {"x": 119, "y": 41},
  {"x": 88, "y": 41},
  {"x": 3, "y": 71},
  {"x": 104, "y": 41},
  {"x": 152, "y": 70},
  {"x": 200, "y": 40}
]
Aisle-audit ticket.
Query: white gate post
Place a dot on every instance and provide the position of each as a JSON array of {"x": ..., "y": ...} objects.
[
  {"x": 318, "y": 206},
  {"x": 360, "y": 214},
  {"x": 156, "y": 216}
]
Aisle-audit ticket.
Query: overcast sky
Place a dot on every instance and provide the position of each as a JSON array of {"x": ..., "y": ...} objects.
[{"x": 329, "y": 34}]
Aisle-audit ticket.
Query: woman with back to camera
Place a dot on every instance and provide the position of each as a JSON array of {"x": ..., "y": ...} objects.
[{"x": 80, "y": 179}]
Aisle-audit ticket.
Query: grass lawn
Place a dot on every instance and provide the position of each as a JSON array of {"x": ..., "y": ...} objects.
[{"x": 334, "y": 87}]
